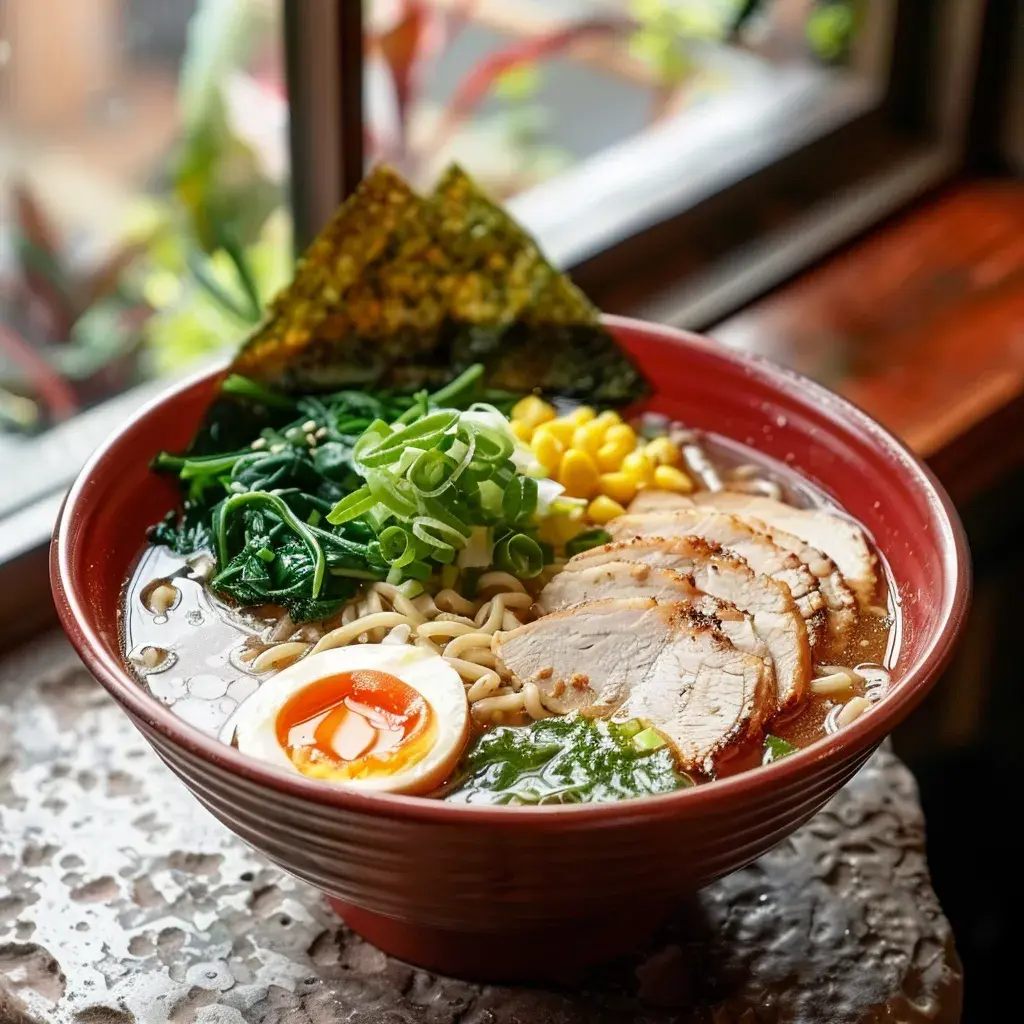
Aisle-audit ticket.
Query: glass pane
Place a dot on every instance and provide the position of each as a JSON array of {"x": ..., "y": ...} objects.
[
  {"x": 521, "y": 91},
  {"x": 143, "y": 167}
]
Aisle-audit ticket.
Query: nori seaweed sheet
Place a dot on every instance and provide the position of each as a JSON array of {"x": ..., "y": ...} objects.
[{"x": 404, "y": 291}]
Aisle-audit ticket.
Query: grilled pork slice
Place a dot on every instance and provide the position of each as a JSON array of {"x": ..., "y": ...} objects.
[
  {"x": 839, "y": 539},
  {"x": 839, "y": 598},
  {"x": 640, "y": 658},
  {"x": 756, "y": 548},
  {"x": 634, "y": 579},
  {"x": 776, "y": 617}
]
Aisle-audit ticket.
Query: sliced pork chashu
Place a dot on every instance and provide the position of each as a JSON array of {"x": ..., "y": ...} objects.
[
  {"x": 841, "y": 604},
  {"x": 622, "y": 579},
  {"x": 755, "y": 547},
  {"x": 775, "y": 614},
  {"x": 645, "y": 659},
  {"x": 841, "y": 600},
  {"x": 840, "y": 539}
]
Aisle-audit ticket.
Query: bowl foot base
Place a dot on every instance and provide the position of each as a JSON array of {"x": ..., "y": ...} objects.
[{"x": 552, "y": 953}]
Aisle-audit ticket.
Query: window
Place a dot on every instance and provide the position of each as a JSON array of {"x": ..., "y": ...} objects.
[
  {"x": 566, "y": 92},
  {"x": 143, "y": 157},
  {"x": 678, "y": 156}
]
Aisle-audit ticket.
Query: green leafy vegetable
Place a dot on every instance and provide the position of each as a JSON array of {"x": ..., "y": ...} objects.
[
  {"x": 261, "y": 478},
  {"x": 776, "y": 747},
  {"x": 567, "y": 760},
  {"x": 299, "y": 498}
]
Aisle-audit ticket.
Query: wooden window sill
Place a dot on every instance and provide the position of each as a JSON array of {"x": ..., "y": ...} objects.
[{"x": 922, "y": 325}]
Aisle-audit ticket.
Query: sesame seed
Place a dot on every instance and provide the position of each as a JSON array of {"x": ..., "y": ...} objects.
[
  {"x": 276, "y": 448},
  {"x": 321, "y": 433},
  {"x": 311, "y": 440},
  {"x": 309, "y": 426},
  {"x": 259, "y": 444}
]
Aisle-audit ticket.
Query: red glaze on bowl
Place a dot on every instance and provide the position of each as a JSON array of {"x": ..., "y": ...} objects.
[{"x": 513, "y": 893}]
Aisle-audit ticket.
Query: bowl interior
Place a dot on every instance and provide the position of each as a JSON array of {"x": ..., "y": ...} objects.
[{"x": 782, "y": 415}]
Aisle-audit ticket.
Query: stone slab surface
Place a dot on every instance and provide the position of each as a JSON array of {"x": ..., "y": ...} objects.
[{"x": 123, "y": 902}]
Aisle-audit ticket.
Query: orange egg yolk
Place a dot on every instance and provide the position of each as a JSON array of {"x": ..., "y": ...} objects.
[{"x": 356, "y": 725}]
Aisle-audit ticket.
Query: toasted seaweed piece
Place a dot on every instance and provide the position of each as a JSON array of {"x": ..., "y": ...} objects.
[
  {"x": 406, "y": 292},
  {"x": 526, "y": 321},
  {"x": 326, "y": 303},
  {"x": 495, "y": 269},
  {"x": 580, "y": 361}
]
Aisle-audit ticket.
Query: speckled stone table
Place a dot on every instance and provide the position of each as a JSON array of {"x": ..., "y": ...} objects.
[{"x": 123, "y": 902}]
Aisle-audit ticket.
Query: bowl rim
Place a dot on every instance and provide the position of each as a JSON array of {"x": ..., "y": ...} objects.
[{"x": 865, "y": 732}]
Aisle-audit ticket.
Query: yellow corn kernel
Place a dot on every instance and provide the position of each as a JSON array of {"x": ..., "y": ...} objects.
[
  {"x": 611, "y": 454},
  {"x": 548, "y": 450},
  {"x": 639, "y": 468},
  {"x": 623, "y": 434},
  {"x": 602, "y": 509},
  {"x": 584, "y": 414},
  {"x": 589, "y": 437},
  {"x": 618, "y": 486},
  {"x": 609, "y": 418},
  {"x": 663, "y": 452},
  {"x": 668, "y": 478},
  {"x": 533, "y": 411},
  {"x": 578, "y": 474},
  {"x": 561, "y": 429},
  {"x": 521, "y": 430}
]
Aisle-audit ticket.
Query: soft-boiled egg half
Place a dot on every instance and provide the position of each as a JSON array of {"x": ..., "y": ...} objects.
[{"x": 390, "y": 718}]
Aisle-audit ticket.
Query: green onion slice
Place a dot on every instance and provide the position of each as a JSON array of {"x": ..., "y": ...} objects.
[
  {"x": 393, "y": 493},
  {"x": 352, "y": 506},
  {"x": 397, "y": 546},
  {"x": 519, "y": 555},
  {"x": 423, "y": 433}
]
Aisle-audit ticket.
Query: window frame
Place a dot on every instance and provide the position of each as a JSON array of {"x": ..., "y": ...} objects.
[{"x": 910, "y": 135}]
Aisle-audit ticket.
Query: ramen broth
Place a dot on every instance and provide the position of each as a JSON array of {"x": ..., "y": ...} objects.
[{"x": 194, "y": 652}]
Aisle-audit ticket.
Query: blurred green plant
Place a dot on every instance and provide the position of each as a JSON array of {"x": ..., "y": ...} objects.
[
  {"x": 667, "y": 29},
  {"x": 658, "y": 33},
  {"x": 69, "y": 328},
  {"x": 191, "y": 274},
  {"x": 216, "y": 175},
  {"x": 220, "y": 247},
  {"x": 199, "y": 300},
  {"x": 831, "y": 28}
]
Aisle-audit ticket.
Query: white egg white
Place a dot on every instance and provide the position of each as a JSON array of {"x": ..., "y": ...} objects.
[{"x": 254, "y": 723}]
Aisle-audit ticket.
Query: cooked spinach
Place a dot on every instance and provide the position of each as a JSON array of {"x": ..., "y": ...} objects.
[
  {"x": 567, "y": 760},
  {"x": 261, "y": 478}
]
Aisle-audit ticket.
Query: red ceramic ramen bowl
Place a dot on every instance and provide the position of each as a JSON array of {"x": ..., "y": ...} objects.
[{"x": 517, "y": 892}]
